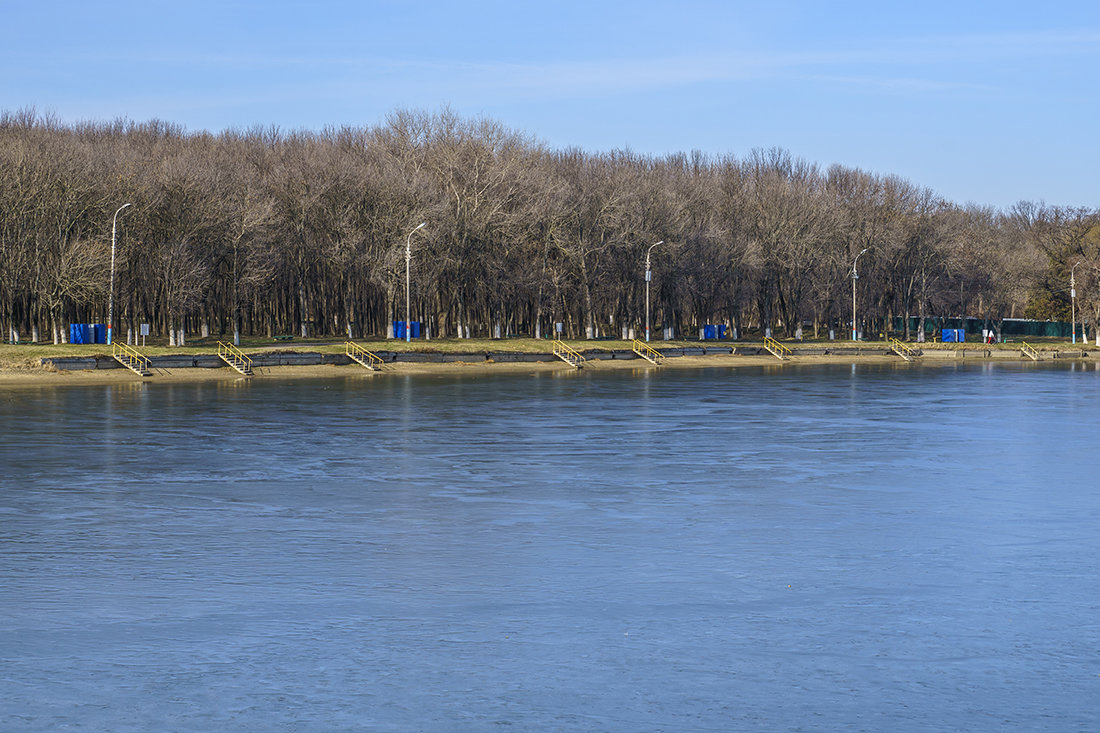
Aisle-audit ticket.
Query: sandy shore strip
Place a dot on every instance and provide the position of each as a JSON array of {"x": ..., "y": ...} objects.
[{"x": 44, "y": 376}]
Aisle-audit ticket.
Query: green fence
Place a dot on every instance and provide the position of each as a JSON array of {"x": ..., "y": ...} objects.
[{"x": 1009, "y": 327}]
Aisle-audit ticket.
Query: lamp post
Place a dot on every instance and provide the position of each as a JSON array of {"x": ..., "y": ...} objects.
[
  {"x": 408, "y": 261},
  {"x": 648, "y": 277},
  {"x": 1073, "y": 304},
  {"x": 111, "y": 292},
  {"x": 855, "y": 276}
]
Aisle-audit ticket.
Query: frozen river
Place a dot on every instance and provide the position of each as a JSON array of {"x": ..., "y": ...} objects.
[{"x": 817, "y": 548}]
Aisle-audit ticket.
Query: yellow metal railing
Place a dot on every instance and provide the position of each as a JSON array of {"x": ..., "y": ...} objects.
[
  {"x": 1029, "y": 351},
  {"x": 778, "y": 350},
  {"x": 647, "y": 352},
  {"x": 235, "y": 358},
  {"x": 130, "y": 358},
  {"x": 903, "y": 350},
  {"x": 358, "y": 354},
  {"x": 568, "y": 355}
]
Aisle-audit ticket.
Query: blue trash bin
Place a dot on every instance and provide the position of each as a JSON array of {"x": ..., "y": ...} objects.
[{"x": 399, "y": 329}]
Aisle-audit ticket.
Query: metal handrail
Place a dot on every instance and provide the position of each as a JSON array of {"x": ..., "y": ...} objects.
[
  {"x": 647, "y": 352},
  {"x": 129, "y": 356},
  {"x": 902, "y": 349},
  {"x": 354, "y": 351},
  {"x": 777, "y": 349},
  {"x": 1029, "y": 351},
  {"x": 239, "y": 360},
  {"x": 567, "y": 354}
]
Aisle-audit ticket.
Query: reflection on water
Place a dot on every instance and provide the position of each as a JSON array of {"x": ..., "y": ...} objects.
[{"x": 814, "y": 548}]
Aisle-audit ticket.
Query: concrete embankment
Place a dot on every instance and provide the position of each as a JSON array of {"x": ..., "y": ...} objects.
[{"x": 265, "y": 359}]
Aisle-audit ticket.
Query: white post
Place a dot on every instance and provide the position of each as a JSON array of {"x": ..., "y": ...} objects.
[
  {"x": 408, "y": 260},
  {"x": 855, "y": 276},
  {"x": 648, "y": 276},
  {"x": 1073, "y": 304},
  {"x": 111, "y": 292}
]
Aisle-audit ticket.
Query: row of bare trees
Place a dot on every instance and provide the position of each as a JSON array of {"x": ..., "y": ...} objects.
[{"x": 264, "y": 232}]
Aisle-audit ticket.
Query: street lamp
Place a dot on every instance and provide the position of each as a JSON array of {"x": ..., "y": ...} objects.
[
  {"x": 855, "y": 276},
  {"x": 648, "y": 277},
  {"x": 111, "y": 293},
  {"x": 408, "y": 260},
  {"x": 1073, "y": 304}
]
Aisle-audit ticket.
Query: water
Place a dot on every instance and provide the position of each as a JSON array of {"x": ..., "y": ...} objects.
[{"x": 856, "y": 548}]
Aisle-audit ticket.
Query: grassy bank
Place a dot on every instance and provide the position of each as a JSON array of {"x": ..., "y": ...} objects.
[
  {"x": 29, "y": 356},
  {"x": 24, "y": 356}
]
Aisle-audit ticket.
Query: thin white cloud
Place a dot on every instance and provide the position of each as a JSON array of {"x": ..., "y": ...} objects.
[
  {"x": 924, "y": 65},
  {"x": 702, "y": 67},
  {"x": 900, "y": 85}
]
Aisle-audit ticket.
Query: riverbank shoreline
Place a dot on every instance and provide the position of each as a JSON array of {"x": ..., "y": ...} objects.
[{"x": 184, "y": 368}]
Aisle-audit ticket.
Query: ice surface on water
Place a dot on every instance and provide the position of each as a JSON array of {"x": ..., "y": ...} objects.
[{"x": 818, "y": 548}]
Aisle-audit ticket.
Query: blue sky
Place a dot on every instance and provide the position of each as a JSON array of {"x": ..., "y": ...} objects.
[{"x": 985, "y": 102}]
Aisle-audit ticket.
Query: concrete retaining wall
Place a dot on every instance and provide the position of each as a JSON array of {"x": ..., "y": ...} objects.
[{"x": 310, "y": 358}]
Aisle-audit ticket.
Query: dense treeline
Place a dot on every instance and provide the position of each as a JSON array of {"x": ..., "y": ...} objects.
[{"x": 264, "y": 232}]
